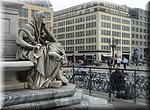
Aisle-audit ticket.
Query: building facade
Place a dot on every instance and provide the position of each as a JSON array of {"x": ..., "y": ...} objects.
[
  {"x": 140, "y": 32},
  {"x": 32, "y": 6},
  {"x": 87, "y": 30}
]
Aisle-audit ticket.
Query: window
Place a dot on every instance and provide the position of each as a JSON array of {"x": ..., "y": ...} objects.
[
  {"x": 91, "y": 17},
  {"x": 69, "y": 28},
  {"x": 105, "y": 24},
  {"x": 91, "y": 40},
  {"x": 126, "y": 35},
  {"x": 69, "y": 22},
  {"x": 80, "y": 26},
  {"x": 133, "y": 22},
  {"x": 132, "y": 28},
  {"x": 115, "y": 26},
  {"x": 125, "y": 21},
  {"x": 133, "y": 42},
  {"x": 106, "y": 32},
  {"x": 90, "y": 32},
  {"x": 132, "y": 35},
  {"x": 23, "y": 12},
  {"x": 137, "y": 22},
  {"x": 137, "y": 29},
  {"x": 126, "y": 28},
  {"x": 79, "y": 34},
  {"x": 116, "y": 19},
  {"x": 140, "y": 29},
  {"x": 140, "y": 17},
  {"x": 104, "y": 17},
  {"x": 137, "y": 43},
  {"x": 140, "y": 23},
  {"x": 144, "y": 24},
  {"x": 91, "y": 25},
  {"x": 22, "y": 22},
  {"x": 115, "y": 33},
  {"x": 47, "y": 16},
  {"x": 33, "y": 11},
  {"x": 137, "y": 36},
  {"x": 70, "y": 35},
  {"x": 79, "y": 41},
  {"x": 69, "y": 42},
  {"x": 77, "y": 20},
  {"x": 144, "y": 30}
]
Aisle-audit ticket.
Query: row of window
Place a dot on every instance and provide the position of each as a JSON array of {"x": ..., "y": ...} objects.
[
  {"x": 80, "y": 41},
  {"x": 85, "y": 6},
  {"x": 137, "y": 36},
  {"x": 77, "y": 27},
  {"x": 108, "y": 40},
  {"x": 117, "y": 13},
  {"x": 106, "y": 47},
  {"x": 139, "y": 23},
  {"x": 77, "y": 34},
  {"x": 80, "y": 48},
  {"x": 115, "y": 33},
  {"x": 114, "y": 19},
  {"x": 77, "y": 13},
  {"x": 23, "y": 12},
  {"x": 115, "y": 26},
  {"x": 77, "y": 20},
  {"x": 138, "y": 29},
  {"x": 139, "y": 43}
]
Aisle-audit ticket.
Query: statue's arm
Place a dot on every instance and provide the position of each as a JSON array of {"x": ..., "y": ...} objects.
[
  {"x": 21, "y": 42},
  {"x": 50, "y": 36}
]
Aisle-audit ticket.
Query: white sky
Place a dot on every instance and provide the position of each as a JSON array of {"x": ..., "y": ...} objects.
[{"x": 62, "y": 4}]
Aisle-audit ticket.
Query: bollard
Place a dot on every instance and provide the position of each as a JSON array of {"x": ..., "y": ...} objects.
[
  {"x": 73, "y": 75},
  {"x": 90, "y": 81},
  {"x": 135, "y": 87}
]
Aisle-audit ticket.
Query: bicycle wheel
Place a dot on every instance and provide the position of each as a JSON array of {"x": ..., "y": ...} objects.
[
  {"x": 99, "y": 84},
  {"x": 145, "y": 90},
  {"x": 79, "y": 81}
]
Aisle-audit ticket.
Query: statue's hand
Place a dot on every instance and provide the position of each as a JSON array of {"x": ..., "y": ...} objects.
[
  {"x": 43, "y": 24},
  {"x": 37, "y": 47}
]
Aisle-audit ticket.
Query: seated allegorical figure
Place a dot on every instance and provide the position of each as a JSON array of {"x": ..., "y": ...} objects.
[{"x": 37, "y": 44}]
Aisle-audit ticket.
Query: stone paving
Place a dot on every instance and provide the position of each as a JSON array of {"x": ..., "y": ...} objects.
[{"x": 120, "y": 103}]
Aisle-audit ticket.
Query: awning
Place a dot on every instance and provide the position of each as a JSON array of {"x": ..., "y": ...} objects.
[{"x": 107, "y": 55}]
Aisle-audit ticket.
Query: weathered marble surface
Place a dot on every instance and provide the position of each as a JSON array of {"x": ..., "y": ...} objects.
[
  {"x": 16, "y": 65},
  {"x": 89, "y": 103},
  {"x": 27, "y": 95},
  {"x": 53, "y": 103}
]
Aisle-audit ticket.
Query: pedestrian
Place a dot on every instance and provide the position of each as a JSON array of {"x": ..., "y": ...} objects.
[
  {"x": 125, "y": 62},
  {"x": 110, "y": 62},
  {"x": 119, "y": 61}
]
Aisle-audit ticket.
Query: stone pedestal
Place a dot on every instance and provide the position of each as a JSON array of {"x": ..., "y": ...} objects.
[{"x": 64, "y": 98}]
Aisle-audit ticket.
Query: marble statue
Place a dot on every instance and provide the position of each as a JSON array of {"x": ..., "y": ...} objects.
[{"x": 37, "y": 44}]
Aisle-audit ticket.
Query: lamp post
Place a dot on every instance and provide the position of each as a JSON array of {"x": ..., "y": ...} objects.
[{"x": 113, "y": 43}]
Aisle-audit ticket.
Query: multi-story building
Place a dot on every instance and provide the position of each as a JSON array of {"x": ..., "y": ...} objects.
[
  {"x": 32, "y": 6},
  {"x": 140, "y": 32},
  {"x": 87, "y": 30}
]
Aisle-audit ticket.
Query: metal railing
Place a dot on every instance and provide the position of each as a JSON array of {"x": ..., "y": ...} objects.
[{"x": 96, "y": 78}]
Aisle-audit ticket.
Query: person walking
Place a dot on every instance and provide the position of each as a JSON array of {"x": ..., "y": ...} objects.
[
  {"x": 118, "y": 61},
  {"x": 125, "y": 62}
]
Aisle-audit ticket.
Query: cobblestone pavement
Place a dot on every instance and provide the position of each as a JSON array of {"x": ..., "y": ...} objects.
[{"x": 120, "y": 103}]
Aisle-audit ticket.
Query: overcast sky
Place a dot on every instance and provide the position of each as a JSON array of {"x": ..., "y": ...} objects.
[{"x": 61, "y": 4}]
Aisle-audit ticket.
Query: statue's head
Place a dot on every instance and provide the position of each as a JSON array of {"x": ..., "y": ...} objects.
[{"x": 38, "y": 19}]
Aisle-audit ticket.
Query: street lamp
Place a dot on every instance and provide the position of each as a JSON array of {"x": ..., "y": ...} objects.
[{"x": 113, "y": 43}]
